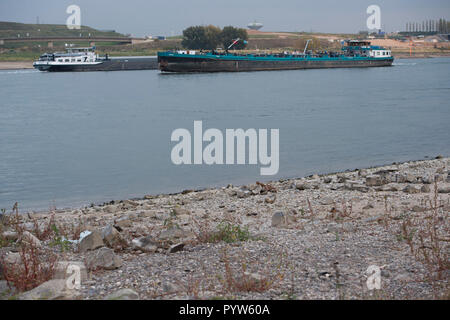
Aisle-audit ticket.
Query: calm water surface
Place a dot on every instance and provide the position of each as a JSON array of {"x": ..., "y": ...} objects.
[{"x": 69, "y": 139}]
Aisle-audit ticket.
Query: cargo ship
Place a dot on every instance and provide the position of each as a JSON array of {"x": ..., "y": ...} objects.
[
  {"x": 354, "y": 53},
  {"x": 86, "y": 59}
]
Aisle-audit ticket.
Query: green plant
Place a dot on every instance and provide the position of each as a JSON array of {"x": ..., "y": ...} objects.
[
  {"x": 229, "y": 233},
  {"x": 60, "y": 241}
]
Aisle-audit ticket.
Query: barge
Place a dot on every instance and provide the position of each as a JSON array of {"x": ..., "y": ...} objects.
[
  {"x": 85, "y": 59},
  {"x": 354, "y": 53}
]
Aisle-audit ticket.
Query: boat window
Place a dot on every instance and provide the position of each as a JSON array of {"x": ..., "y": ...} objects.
[
  {"x": 78, "y": 60},
  {"x": 66, "y": 60}
]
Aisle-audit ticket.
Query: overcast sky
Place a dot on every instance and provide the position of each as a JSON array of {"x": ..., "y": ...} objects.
[{"x": 168, "y": 17}]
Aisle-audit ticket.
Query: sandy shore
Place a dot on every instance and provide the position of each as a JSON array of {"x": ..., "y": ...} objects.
[
  {"x": 15, "y": 65},
  {"x": 306, "y": 238}
]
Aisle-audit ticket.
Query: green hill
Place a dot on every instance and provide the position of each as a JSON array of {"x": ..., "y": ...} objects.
[{"x": 13, "y": 29}]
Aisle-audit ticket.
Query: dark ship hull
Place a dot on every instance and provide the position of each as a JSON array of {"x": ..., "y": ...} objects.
[
  {"x": 184, "y": 63},
  {"x": 111, "y": 64}
]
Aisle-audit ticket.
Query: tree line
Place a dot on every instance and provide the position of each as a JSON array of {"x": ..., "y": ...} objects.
[{"x": 210, "y": 37}]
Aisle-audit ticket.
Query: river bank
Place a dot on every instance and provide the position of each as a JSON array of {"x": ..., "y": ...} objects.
[
  {"x": 305, "y": 238},
  {"x": 16, "y": 65}
]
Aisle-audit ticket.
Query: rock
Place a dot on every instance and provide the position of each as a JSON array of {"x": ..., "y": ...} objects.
[
  {"x": 10, "y": 235},
  {"x": 327, "y": 179},
  {"x": 103, "y": 258},
  {"x": 326, "y": 201},
  {"x": 123, "y": 222},
  {"x": 123, "y": 294},
  {"x": 13, "y": 258},
  {"x": 303, "y": 186},
  {"x": 407, "y": 178},
  {"x": 444, "y": 190},
  {"x": 279, "y": 219},
  {"x": 111, "y": 209},
  {"x": 427, "y": 179},
  {"x": 418, "y": 209},
  {"x": 92, "y": 241},
  {"x": 270, "y": 199},
  {"x": 62, "y": 272},
  {"x": 176, "y": 247},
  {"x": 146, "y": 244},
  {"x": 50, "y": 290},
  {"x": 172, "y": 233},
  {"x": 243, "y": 193},
  {"x": 439, "y": 157},
  {"x": 111, "y": 237},
  {"x": 411, "y": 189},
  {"x": 368, "y": 206},
  {"x": 374, "y": 181},
  {"x": 425, "y": 189},
  {"x": 180, "y": 211},
  {"x": 30, "y": 239}
]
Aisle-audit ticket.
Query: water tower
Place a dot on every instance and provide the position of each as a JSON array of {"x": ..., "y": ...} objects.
[{"x": 255, "y": 25}]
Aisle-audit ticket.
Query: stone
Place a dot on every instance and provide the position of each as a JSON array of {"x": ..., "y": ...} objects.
[
  {"x": 411, "y": 189},
  {"x": 243, "y": 193},
  {"x": 123, "y": 294},
  {"x": 55, "y": 289},
  {"x": 270, "y": 199},
  {"x": 111, "y": 237},
  {"x": 425, "y": 189},
  {"x": 326, "y": 201},
  {"x": 29, "y": 238},
  {"x": 92, "y": 241},
  {"x": 13, "y": 258},
  {"x": 280, "y": 219},
  {"x": 10, "y": 235},
  {"x": 327, "y": 179},
  {"x": 303, "y": 186},
  {"x": 123, "y": 222},
  {"x": 407, "y": 178},
  {"x": 172, "y": 233},
  {"x": 103, "y": 258},
  {"x": 62, "y": 272},
  {"x": 374, "y": 181},
  {"x": 145, "y": 244},
  {"x": 444, "y": 190},
  {"x": 176, "y": 247},
  {"x": 181, "y": 211}
]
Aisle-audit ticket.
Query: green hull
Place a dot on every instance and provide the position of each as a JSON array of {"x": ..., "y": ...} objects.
[{"x": 174, "y": 62}]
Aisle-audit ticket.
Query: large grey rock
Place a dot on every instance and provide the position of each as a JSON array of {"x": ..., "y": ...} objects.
[
  {"x": 111, "y": 236},
  {"x": 30, "y": 239},
  {"x": 50, "y": 290},
  {"x": 280, "y": 219},
  {"x": 146, "y": 244},
  {"x": 10, "y": 235},
  {"x": 411, "y": 189},
  {"x": 123, "y": 222},
  {"x": 92, "y": 241},
  {"x": 103, "y": 258},
  {"x": 13, "y": 258},
  {"x": 375, "y": 181},
  {"x": 123, "y": 294}
]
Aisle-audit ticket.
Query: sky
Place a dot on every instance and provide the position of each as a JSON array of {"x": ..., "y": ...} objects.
[{"x": 170, "y": 17}]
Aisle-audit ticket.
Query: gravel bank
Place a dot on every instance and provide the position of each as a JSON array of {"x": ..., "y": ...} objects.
[{"x": 306, "y": 238}]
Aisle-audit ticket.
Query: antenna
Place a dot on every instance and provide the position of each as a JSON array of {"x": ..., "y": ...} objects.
[{"x": 306, "y": 46}]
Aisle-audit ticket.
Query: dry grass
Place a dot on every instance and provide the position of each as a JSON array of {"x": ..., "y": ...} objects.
[{"x": 36, "y": 267}]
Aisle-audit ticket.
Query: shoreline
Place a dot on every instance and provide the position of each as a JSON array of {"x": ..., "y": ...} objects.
[
  {"x": 28, "y": 64},
  {"x": 16, "y": 65},
  {"x": 300, "y": 233},
  {"x": 100, "y": 203}
]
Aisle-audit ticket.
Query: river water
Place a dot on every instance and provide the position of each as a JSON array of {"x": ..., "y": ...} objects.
[{"x": 71, "y": 139}]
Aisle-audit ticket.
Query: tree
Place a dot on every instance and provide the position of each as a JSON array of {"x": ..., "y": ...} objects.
[
  {"x": 201, "y": 37},
  {"x": 229, "y": 34}
]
